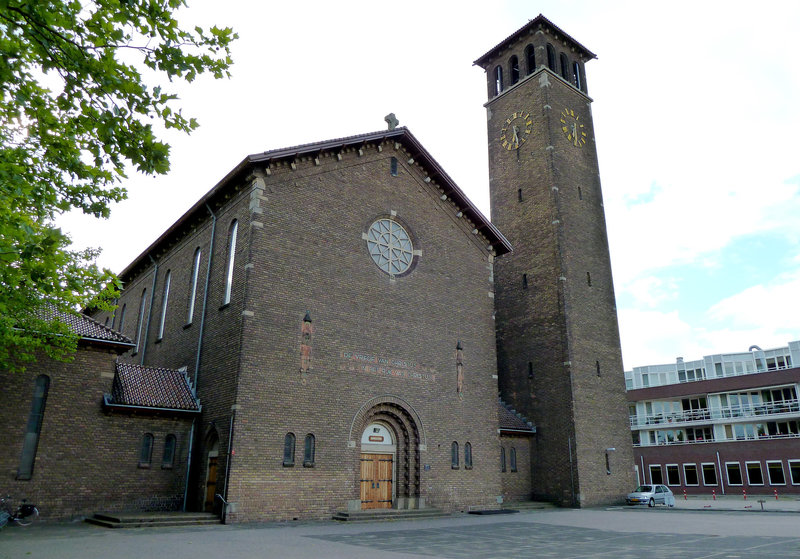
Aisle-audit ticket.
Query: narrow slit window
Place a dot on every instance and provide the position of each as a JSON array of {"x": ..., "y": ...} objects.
[
  {"x": 193, "y": 285},
  {"x": 231, "y": 259},
  {"x": 34, "y": 427},
  {"x": 588, "y": 279},
  {"x": 502, "y": 459},
  {"x": 580, "y": 193},
  {"x": 524, "y": 281},
  {"x": 597, "y": 366},
  {"x": 121, "y": 320},
  {"x": 146, "y": 451},
  {"x": 288, "y": 449},
  {"x": 454, "y": 455},
  {"x": 519, "y": 195},
  {"x": 513, "y": 454},
  {"x": 467, "y": 456},
  {"x": 530, "y": 370},
  {"x": 393, "y": 166},
  {"x": 310, "y": 451},
  {"x": 164, "y": 300},
  {"x": 168, "y": 458}
]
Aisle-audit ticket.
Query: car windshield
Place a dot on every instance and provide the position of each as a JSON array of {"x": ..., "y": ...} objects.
[{"x": 644, "y": 489}]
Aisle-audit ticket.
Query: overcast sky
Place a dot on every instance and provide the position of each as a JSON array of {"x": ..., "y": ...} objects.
[{"x": 696, "y": 118}]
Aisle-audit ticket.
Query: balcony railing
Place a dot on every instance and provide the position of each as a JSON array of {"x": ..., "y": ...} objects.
[
  {"x": 712, "y": 440},
  {"x": 714, "y": 414}
]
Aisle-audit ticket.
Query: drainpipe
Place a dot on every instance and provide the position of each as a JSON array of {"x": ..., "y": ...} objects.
[
  {"x": 149, "y": 309},
  {"x": 644, "y": 478},
  {"x": 188, "y": 466},
  {"x": 721, "y": 482},
  {"x": 205, "y": 299},
  {"x": 230, "y": 455}
]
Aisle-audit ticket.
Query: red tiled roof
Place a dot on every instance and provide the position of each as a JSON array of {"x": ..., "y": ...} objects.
[
  {"x": 151, "y": 387},
  {"x": 512, "y": 421},
  {"x": 85, "y": 326}
]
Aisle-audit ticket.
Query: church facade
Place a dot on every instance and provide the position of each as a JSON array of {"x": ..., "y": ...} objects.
[{"x": 347, "y": 317}]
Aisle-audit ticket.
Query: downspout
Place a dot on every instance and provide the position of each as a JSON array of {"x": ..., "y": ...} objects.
[
  {"x": 188, "y": 466},
  {"x": 230, "y": 449},
  {"x": 149, "y": 308},
  {"x": 205, "y": 299},
  {"x": 721, "y": 482},
  {"x": 644, "y": 478}
]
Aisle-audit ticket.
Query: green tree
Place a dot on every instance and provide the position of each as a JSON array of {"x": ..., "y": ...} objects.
[{"x": 75, "y": 113}]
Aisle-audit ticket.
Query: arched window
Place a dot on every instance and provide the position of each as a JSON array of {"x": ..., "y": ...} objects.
[
  {"x": 454, "y": 455},
  {"x": 164, "y": 300},
  {"x": 551, "y": 57},
  {"x": 231, "y": 258},
  {"x": 140, "y": 320},
  {"x": 530, "y": 59},
  {"x": 193, "y": 285},
  {"x": 288, "y": 449},
  {"x": 168, "y": 459},
  {"x": 513, "y": 65},
  {"x": 146, "y": 451},
  {"x": 513, "y": 459},
  {"x": 576, "y": 75},
  {"x": 467, "y": 456},
  {"x": 565, "y": 67},
  {"x": 34, "y": 427},
  {"x": 498, "y": 80},
  {"x": 502, "y": 459},
  {"x": 310, "y": 450}
]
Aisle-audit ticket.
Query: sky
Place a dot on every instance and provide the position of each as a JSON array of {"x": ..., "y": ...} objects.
[{"x": 696, "y": 115}]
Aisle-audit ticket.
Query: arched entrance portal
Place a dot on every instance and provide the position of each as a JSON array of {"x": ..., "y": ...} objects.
[
  {"x": 378, "y": 451},
  {"x": 388, "y": 434}
]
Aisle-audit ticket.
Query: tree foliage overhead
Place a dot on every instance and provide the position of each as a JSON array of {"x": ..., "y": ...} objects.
[{"x": 75, "y": 112}]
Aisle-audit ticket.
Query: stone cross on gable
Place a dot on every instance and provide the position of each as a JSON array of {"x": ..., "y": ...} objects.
[{"x": 391, "y": 120}]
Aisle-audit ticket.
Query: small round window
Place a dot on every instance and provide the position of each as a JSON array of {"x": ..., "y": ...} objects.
[{"x": 390, "y": 246}]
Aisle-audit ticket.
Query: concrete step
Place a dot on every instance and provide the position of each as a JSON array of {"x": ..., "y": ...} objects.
[
  {"x": 374, "y": 515},
  {"x": 528, "y": 505},
  {"x": 152, "y": 520}
]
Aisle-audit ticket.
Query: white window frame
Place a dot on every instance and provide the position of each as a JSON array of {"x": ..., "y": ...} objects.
[
  {"x": 728, "y": 477},
  {"x": 791, "y": 477},
  {"x": 703, "y": 475},
  {"x": 678, "y": 469},
  {"x": 696, "y": 474},
  {"x": 650, "y": 468},
  {"x": 747, "y": 470},
  {"x": 769, "y": 473}
]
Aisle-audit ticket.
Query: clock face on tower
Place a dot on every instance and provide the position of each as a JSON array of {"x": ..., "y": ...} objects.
[
  {"x": 515, "y": 130},
  {"x": 572, "y": 128}
]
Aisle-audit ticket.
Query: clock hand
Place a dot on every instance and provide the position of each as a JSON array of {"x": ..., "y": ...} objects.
[
  {"x": 516, "y": 138},
  {"x": 574, "y": 134}
]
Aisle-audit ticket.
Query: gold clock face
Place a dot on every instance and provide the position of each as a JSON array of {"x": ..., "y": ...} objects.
[
  {"x": 572, "y": 127},
  {"x": 515, "y": 131}
]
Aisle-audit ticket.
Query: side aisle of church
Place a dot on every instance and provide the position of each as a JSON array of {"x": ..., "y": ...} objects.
[{"x": 342, "y": 333}]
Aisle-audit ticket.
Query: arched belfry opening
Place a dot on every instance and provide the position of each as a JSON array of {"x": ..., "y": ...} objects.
[{"x": 389, "y": 437}]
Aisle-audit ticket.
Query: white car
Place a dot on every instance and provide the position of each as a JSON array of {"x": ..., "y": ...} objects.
[{"x": 651, "y": 495}]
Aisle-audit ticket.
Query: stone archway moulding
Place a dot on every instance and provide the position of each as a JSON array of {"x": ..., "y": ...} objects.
[{"x": 358, "y": 418}]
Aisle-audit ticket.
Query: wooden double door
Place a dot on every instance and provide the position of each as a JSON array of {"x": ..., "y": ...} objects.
[{"x": 376, "y": 481}]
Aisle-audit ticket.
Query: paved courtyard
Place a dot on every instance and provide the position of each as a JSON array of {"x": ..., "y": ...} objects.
[{"x": 615, "y": 532}]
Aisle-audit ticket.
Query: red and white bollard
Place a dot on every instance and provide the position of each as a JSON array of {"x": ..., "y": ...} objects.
[
  {"x": 744, "y": 494},
  {"x": 714, "y": 494},
  {"x": 684, "y": 495},
  {"x": 776, "y": 494}
]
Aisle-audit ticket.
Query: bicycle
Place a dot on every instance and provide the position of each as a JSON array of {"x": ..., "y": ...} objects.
[{"x": 23, "y": 515}]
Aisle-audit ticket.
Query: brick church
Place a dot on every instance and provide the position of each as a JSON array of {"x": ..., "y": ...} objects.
[{"x": 330, "y": 326}]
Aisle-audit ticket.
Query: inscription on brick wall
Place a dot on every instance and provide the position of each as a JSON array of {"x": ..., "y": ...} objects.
[{"x": 385, "y": 366}]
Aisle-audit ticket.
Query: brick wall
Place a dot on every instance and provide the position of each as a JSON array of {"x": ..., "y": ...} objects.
[{"x": 87, "y": 461}]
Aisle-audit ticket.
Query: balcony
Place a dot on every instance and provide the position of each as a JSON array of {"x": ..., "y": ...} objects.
[
  {"x": 784, "y": 408},
  {"x": 763, "y": 437}
]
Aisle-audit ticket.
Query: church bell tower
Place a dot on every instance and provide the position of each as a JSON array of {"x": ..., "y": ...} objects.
[{"x": 559, "y": 357}]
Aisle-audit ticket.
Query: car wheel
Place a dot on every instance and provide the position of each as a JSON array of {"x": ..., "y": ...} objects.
[{"x": 651, "y": 503}]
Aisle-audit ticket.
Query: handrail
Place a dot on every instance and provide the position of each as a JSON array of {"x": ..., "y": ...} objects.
[
  {"x": 708, "y": 414},
  {"x": 224, "y": 506}
]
